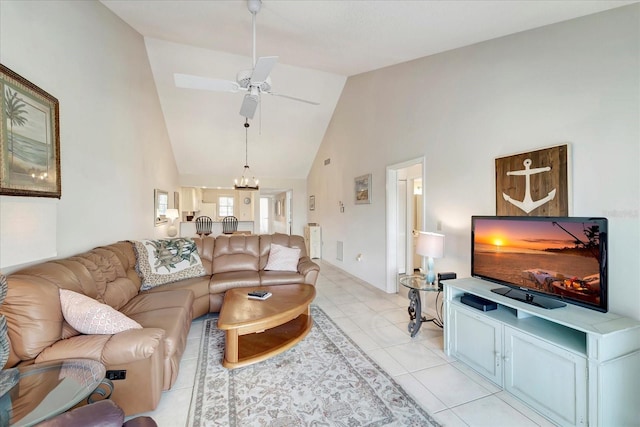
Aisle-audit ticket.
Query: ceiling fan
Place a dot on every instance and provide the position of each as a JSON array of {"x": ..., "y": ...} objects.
[{"x": 254, "y": 82}]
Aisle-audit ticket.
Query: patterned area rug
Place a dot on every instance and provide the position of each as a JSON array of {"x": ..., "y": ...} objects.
[{"x": 326, "y": 380}]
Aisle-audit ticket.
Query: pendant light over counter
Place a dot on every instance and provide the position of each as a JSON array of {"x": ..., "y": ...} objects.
[{"x": 246, "y": 183}]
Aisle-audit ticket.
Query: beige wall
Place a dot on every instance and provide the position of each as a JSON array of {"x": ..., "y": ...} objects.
[
  {"x": 575, "y": 82},
  {"x": 114, "y": 145}
]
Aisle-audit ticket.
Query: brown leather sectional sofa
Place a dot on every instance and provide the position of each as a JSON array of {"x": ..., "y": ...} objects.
[{"x": 150, "y": 356}]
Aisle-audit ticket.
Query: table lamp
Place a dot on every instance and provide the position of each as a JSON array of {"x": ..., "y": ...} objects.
[
  {"x": 172, "y": 215},
  {"x": 430, "y": 245}
]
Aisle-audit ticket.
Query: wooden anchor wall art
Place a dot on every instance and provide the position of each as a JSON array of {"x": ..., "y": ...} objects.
[{"x": 533, "y": 183}]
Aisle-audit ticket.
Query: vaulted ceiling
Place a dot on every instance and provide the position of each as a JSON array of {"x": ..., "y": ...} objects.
[{"x": 319, "y": 43}]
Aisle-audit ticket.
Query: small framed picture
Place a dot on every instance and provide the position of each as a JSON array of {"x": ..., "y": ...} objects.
[
  {"x": 312, "y": 203},
  {"x": 363, "y": 189}
]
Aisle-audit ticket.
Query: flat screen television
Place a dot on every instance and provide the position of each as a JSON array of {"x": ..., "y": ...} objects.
[{"x": 544, "y": 261}]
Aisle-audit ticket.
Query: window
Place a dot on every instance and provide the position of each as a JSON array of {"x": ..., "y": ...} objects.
[{"x": 225, "y": 206}]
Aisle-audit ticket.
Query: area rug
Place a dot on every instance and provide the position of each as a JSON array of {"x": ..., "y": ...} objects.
[{"x": 326, "y": 380}]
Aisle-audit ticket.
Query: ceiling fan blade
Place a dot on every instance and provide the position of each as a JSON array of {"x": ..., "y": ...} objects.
[
  {"x": 263, "y": 68},
  {"x": 188, "y": 81},
  {"x": 294, "y": 98},
  {"x": 249, "y": 106}
]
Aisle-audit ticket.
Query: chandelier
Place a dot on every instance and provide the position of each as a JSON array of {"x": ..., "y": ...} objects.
[{"x": 244, "y": 182}]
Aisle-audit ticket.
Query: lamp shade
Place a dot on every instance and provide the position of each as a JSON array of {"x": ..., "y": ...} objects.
[
  {"x": 172, "y": 214},
  {"x": 430, "y": 244}
]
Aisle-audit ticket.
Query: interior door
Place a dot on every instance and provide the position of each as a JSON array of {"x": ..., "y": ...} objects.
[{"x": 401, "y": 242}]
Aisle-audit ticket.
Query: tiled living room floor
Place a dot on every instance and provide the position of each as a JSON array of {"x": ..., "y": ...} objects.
[{"x": 377, "y": 321}]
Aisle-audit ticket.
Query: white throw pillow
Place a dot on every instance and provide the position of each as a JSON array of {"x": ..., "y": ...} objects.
[
  {"x": 282, "y": 258},
  {"x": 90, "y": 317}
]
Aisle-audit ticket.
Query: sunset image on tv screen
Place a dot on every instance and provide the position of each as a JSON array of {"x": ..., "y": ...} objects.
[{"x": 554, "y": 257}]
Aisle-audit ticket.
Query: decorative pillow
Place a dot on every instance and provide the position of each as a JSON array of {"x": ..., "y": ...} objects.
[
  {"x": 168, "y": 260},
  {"x": 88, "y": 316},
  {"x": 282, "y": 258}
]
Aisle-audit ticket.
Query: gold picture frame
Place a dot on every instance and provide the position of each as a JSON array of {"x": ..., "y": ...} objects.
[{"x": 29, "y": 138}]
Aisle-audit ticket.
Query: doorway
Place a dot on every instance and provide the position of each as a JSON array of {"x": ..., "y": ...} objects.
[
  {"x": 265, "y": 218},
  {"x": 405, "y": 213}
]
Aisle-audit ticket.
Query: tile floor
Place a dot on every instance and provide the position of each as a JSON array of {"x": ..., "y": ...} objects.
[{"x": 377, "y": 321}]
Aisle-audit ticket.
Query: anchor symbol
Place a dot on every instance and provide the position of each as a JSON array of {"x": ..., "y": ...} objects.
[{"x": 527, "y": 205}]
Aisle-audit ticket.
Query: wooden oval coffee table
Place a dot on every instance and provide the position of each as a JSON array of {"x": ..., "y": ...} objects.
[{"x": 256, "y": 330}]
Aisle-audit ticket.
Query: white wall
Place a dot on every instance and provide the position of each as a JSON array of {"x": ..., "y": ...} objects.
[
  {"x": 575, "y": 82},
  {"x": 113, "y": 140}
]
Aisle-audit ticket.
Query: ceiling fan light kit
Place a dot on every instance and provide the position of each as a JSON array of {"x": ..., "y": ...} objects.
[{"x": 255, "y": 81}]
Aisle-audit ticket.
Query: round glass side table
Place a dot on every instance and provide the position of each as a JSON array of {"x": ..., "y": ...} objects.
[
  {"x": 417, "y": 283},
  {"x": 43, "y": 390}
]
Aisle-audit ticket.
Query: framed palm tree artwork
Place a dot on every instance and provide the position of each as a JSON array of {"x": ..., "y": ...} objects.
[{"x": 29, "y": 138}]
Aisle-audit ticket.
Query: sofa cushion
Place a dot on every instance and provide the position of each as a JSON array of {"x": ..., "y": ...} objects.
[
  {"x": 34, "y": 318},
  {"x": 236, "y": 253},
  {"x": 280, "y": 278},
  {"x": 167, "y": 260},
  {"x": 221, "y": 282},
  {"x": 282, "y": 258},
  {"x": 198, "y": 285},
  {"x": 151, "y": 301},
  {"x": 205, "y": 250},
  {"x": 88, "y": 316}
]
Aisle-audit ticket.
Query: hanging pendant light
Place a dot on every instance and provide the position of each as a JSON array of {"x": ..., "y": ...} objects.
[{"x": 246, "y": 183}]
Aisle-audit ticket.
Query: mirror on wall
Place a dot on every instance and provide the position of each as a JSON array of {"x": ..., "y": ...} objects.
[{"x": 160, "y": 206}]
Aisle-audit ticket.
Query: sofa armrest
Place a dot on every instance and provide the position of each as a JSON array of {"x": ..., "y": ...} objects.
[
  {"x": 121, "y": 348},
  {"x": 309, "y": 270},
  {"x": 78, "y": 347},
  {"x": 134, "y": 344}
]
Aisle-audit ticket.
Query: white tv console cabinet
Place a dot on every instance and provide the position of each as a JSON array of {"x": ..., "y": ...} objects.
[{"x": 576, "y": 366}]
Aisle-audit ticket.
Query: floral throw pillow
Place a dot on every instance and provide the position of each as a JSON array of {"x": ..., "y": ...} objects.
[
  {"x": 282, "y": 258},
  {"x": 167, "y": 260},
  {"x": 88, "y": 316}
]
